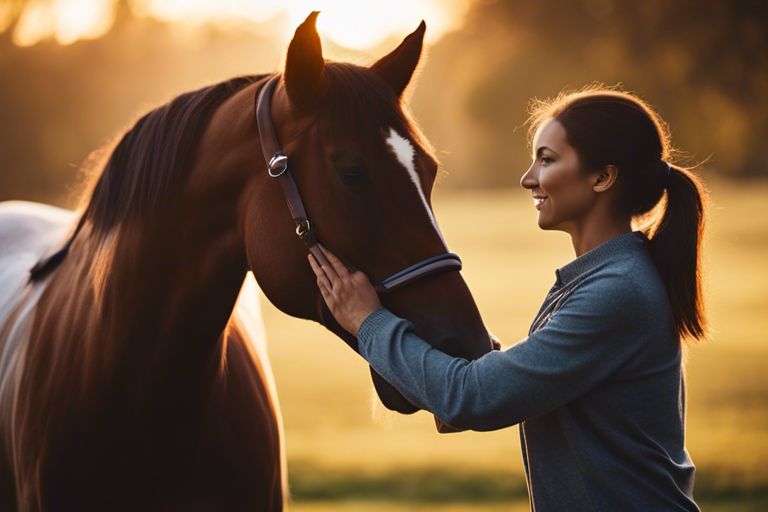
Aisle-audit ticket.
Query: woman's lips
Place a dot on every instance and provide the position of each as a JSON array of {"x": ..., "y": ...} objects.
[{"x": 538, "y": 201}]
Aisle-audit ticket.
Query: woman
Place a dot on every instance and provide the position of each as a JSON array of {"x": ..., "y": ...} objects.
[{"x": 597, "y": 386}]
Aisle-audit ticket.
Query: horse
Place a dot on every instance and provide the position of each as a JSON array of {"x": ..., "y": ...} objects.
[{"x": 133, "y": 374}]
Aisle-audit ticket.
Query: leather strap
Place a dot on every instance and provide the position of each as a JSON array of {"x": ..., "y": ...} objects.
[
  {"x": 433, "y": 265},
  {"x": 278, "y": 168}
]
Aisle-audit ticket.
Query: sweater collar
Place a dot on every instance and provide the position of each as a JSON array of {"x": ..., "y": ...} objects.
[{"x": 599, "y": 254}]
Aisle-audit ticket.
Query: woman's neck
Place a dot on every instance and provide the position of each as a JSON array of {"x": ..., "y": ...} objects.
[{"x": 592, "y": 234}]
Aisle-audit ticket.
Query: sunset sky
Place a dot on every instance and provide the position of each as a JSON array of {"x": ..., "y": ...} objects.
[{"x": 357, "y": 25}]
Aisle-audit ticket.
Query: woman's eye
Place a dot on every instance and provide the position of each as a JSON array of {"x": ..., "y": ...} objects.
[{"x": 546, "y": 160}]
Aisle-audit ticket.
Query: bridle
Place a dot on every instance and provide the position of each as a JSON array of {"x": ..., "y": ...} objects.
[{"x": 277, "y": 167}]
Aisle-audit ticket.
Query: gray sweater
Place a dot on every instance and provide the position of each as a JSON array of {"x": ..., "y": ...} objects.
[{"x": 597, "y": 386}]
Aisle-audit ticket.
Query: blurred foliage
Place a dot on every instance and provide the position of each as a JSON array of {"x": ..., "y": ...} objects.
[{"x": 703, "y": 65}]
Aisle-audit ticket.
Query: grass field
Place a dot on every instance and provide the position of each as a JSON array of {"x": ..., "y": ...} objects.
[{"x": 345, "y": 452}]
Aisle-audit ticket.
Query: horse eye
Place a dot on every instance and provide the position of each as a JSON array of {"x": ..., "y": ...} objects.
[{"x": 354, "y": 175}]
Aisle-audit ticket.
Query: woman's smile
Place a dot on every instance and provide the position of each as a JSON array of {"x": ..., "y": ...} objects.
[{"x": 538, "y": 201}]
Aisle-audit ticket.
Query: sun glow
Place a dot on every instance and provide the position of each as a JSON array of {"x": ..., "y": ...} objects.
[
  {"x": 352, "y": 24},
  {"x": 66, "y": 20},
  {"x": 6, "y": 16}
]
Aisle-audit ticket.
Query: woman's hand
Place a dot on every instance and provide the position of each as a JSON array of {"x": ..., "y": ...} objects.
[{"x": 350, "y": 296}]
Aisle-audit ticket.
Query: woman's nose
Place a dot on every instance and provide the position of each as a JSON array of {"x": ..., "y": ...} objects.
[{"x": 529, "y": 179}]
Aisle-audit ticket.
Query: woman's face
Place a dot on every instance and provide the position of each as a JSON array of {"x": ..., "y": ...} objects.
[{"x": 562, "y": 190}]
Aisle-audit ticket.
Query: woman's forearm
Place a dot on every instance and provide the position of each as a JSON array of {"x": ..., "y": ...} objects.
[
  {"x": 581, "y": 345},
  {"x": 447, "y": 386}
]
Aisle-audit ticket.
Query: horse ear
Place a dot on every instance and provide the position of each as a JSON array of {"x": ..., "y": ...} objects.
[
  {"x": 304, "y": 65},
  {"x": 398, "y": 66}
]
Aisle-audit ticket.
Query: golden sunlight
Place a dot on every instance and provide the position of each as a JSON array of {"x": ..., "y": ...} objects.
[
  {"x": 360, "y": 25},
  {"x": 6, "y": 16},
  {"x": 66, "y": 20},
  {"x": 352, "y": 24}
]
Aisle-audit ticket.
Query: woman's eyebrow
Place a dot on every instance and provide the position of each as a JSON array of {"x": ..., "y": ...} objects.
[{"x": 542, "y": 148}]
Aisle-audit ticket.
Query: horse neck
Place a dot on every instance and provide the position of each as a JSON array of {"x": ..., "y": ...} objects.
[
  {"x": 174, "y": 276},
  {"x": 126, "y": 326},
  {"x": 156, "y": 291},
  {"x": 140, "y": 305},
  {"x": 173, "y": 283}
]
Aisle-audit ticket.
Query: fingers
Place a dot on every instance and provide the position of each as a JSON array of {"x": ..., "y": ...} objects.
[
  {"x": 316, "y": 268},
  {"x": 323, "y": 271},
  {"x": 324, "y": 264},
  {"x": 360, "y": 278},
  {"x": 338, "y": 266},
  {"x": 325, "y": 291},
  {"x": 323, "y": 282}
]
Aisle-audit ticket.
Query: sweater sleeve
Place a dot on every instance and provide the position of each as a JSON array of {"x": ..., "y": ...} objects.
[{"x": 595, "y": 331}]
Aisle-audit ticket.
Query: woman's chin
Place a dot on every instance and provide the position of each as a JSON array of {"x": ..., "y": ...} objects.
[
  {"x": 543, "y": 224},
  {"x": 547, "y": 223}
]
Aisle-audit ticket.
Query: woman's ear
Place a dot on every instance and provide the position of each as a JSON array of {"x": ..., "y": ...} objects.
[{"x": 605, "y": 178}]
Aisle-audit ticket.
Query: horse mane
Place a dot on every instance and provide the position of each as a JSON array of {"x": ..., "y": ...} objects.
[{"x": 147, "y": 166}]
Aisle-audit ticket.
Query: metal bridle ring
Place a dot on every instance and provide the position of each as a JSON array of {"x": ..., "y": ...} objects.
[
  {"x": 278, "y": 160},
  {"x": 303, "y": 228}
]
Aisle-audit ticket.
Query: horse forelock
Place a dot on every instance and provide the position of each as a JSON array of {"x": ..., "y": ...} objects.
[{"x": 358, "y": 103}]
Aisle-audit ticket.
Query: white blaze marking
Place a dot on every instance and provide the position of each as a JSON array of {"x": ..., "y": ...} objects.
[{"x": 403, "y": 150}]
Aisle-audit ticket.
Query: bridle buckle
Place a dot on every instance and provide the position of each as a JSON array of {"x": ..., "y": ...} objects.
[
  {"x": 303, "y": 227},
  {"x": 278, "y": 164}
]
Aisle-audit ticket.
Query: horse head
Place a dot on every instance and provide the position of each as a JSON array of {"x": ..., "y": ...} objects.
[{"x": 365, "y": 175}]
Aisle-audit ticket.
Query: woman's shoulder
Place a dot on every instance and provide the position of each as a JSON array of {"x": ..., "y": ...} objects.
[
  {"x": 615, "y": 280},
  {"x": 630, "y": 279}
]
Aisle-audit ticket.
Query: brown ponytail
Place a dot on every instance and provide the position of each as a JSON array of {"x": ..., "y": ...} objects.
[
  {"x": 675, "y": 243},
  {"x": 607, "y": 126}
]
